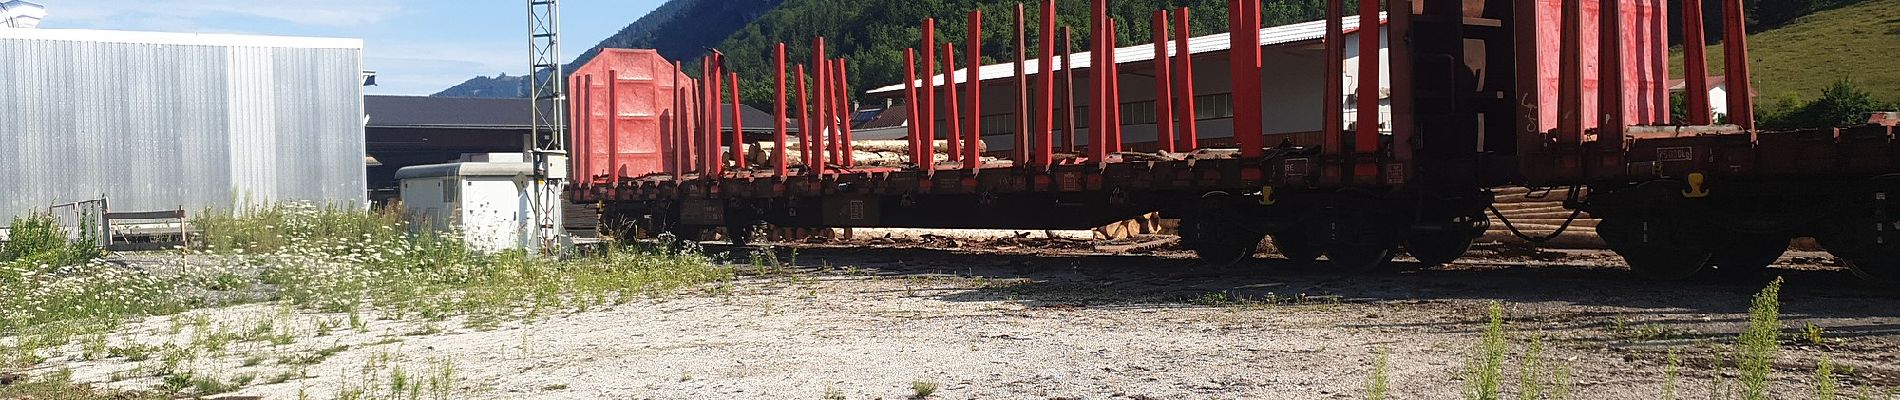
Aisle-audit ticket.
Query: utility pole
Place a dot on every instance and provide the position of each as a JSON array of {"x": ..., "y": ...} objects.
[{"x": 546, "y": 144}]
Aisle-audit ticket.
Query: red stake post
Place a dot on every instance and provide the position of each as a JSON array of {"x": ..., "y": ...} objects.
[
  {"x": 821, "y": 73},
  {"x": 1189, "y": 131},
  {"x": 715, "y": 165},
  {"x": 950, "y": 101},
  {"x": 1610, "y": 73},
  {"x": 1098, "y": 82},
  {"x": 910, "y": 108},
  {"x": 1114, "y": 104},
  {"x": 846, "y": 114},
  {"x": 1068, "y": 92},
  {"x": 1045, "y": 88},
  {"x": 1164, "y": 104},
  {"x": 928, "y": 99},
  {"x": 738, "y": 127},
  {"x": 1741, "y": 99},
  {"x": 1695, "y": 64},
  {"x": 1022, "y": 90},
  {"x": 973, "y": 154},
  {"x": 1570, "y": 74},
  {"x": 806, "y": 130},
  {"x": 1245, "y": 67},
  {"x": 1367, "y": 140},
  {"x": 778, "y": 124},
  {"x": 1333, "y": 97}
]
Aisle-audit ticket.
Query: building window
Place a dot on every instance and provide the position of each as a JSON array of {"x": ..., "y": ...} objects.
[
  {"x": 998, "y": 124},
  {"x": 1214, "y": 106},
  {"x": 1138, "y": 113}
]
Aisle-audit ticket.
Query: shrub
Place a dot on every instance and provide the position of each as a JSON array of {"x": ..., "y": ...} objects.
[{"x": 1758, "y": 345}]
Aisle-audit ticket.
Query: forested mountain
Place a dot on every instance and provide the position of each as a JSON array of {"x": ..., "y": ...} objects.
[{"x": 679, "y": 29}]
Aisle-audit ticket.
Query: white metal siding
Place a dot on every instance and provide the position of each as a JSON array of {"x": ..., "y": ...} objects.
[{"x": 159, "y": 120}]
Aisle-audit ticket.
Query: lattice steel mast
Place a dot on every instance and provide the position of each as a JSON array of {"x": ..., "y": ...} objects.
[{"x": 546, "y": 144}]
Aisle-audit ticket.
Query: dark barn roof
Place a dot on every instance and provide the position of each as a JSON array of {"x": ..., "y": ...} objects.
[{"x": 446, "y": 112}]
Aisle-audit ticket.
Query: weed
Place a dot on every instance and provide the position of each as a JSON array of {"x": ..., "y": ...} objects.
[
  {"x": 1484, "y": 371},
  {"x": 1671, "y": 371},
  {"x": 132, "y": 352},
  {"x": 1824, "y": 381},
  {"x": 922, "y": 389},
  {"x": 253, "y": 361},
  {"x": 324, "y": 326},
  {"x": 1530, "y": 384},
  {"x": 832, "y": 393},
  {"x": 441, "y": 378},
  {"x": 1377, "y": 385},
  {"x": 93, "y": 347},
  {"x": 1813, "y": 333},
  {"x": 1758, "y": 345}
]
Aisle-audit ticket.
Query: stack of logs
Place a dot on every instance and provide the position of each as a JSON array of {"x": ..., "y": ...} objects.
[{"x": 1537, "y": 214}]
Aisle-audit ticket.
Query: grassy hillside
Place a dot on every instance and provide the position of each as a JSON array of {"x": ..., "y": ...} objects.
[{"x": 1794, "y": 62}]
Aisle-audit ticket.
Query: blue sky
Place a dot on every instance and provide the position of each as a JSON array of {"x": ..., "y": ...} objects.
[{"x": 417, "y": 47}]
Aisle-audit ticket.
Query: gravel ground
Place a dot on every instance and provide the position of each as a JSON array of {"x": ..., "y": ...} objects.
[{"x": 1050, "y": 322}]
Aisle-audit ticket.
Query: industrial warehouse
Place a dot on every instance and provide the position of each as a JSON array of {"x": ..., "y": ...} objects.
[{"x": 1144, "y": 199}]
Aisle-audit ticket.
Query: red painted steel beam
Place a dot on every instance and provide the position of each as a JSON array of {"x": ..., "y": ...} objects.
[
  {"x": 1610, "y": 118},
  {"x": 848, "y": 112},
  {"x": 1184, "y": 58},
  {"x": 1695, "y": 64},
  {"x": 1098, "y": 83},
  {"x": 1164, "y": 106},
  {"x": 1333, "y": 97},
  {"x": 779, "y": 127},
  {"x": 738, "y": 127},
  {"x": 1114, "y": 90},
  {"x": 1570, "y": 73},
  {"x": 715, "y": 164},
  {"x": 583, "y": 116},
  {"x": 1741, "y": 98},
  {"x": 678, "y": 153},
  {"x": 699, "y": 106},
  {"x": 928, "y": 99},
  {"x": 807, "y": 125},
  {"x": 1068, "y": 93},
  {"x": 1245, "y": 67},
  {"x": 950, "y": 114},
  {"x": 821, "y": 110},
  {"x": 910, "y": 109},
  {"x": 1022, "y": 89},
  {"x": 613, "y": 126},
  {"x": 1367, "y": 139},
  {"x": 973, "y": 153},
  {"x": 835, "y": 115},
  {"x": 1045, "y": 88}
]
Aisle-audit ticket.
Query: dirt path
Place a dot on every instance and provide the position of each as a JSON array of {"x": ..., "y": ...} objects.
[{"x": 868, "y": 323}]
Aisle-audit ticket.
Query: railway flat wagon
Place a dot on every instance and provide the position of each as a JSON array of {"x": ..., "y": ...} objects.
[{"x": 1460, "y": 98}]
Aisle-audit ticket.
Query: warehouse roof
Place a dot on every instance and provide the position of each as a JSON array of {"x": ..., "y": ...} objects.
[{"x": 1284, "y": 34}]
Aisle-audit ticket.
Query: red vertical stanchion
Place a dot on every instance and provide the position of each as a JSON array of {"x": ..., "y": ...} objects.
[
  {"x": 1695, "y": 64},
  {"x": 1569, "y": 73},
  {"x": 1045, "y": 88},
  {"x": 1164, "y": 104},
  {"x": 1610, "y": 72},
  {"x": 821, "y": 109},
  {"x": 1741, "y": 101},
  {"x": 738, "y": 127},
  {"x": 1245, "y": 64},
  {"x": 582, "y": 116},
  {"x": 779, "y": 128},
  {"x": 1189, "y": 131},
  {"x": 834, "y": 132},
  {"x": 1022, "y": 150},
  {"x": 1114, "y": 68},
  {"x": 1098, "y": 82},
  {"x": 1367, "y": 139},
  {"x": 699, "y": 106},
  {"x": 910, "y": 109},
  {"x": 1068, "y": 92},
  {"x": 927, "y": 99},
  {"x": 847, "y": 114},
  {"x": 973, "y": 84},
  {"x": 950, "y": 115},
  {"x": 1333, "y": 97},
  {"x": 806, "y": 125},
  {"x": 715, "y": 164}
]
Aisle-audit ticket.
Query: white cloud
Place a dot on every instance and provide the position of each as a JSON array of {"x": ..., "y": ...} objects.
[{"x": 330, "y": 13}]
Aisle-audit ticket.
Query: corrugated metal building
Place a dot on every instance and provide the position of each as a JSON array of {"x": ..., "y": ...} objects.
[{"x": 162, "y": 120}]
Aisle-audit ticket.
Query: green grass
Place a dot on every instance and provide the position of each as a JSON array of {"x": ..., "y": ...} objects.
[
  {"x": 1760, "y": 343},
  {"x": 1794, "y": 62},
  {"x": 1379, "y": 383},
  {"x": 923, "y": 389},
  {"x": 1484, "y": 372}
]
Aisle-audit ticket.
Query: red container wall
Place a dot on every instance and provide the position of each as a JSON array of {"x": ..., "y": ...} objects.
[
  {"x": 1645, "y": 38},
  {"x": 623, "y": 117}
]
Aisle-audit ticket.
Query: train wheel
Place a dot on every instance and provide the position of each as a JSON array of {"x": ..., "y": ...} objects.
[
  {"x": 1438, "y": 248},
  {"x": 1657, "y": 247},
  {"x": 1297, "y": 247},
  {"x": 1357, "y": 242},
  {"x": 1216, "y": 236},
  {"x": 1745, "y": 255}
]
